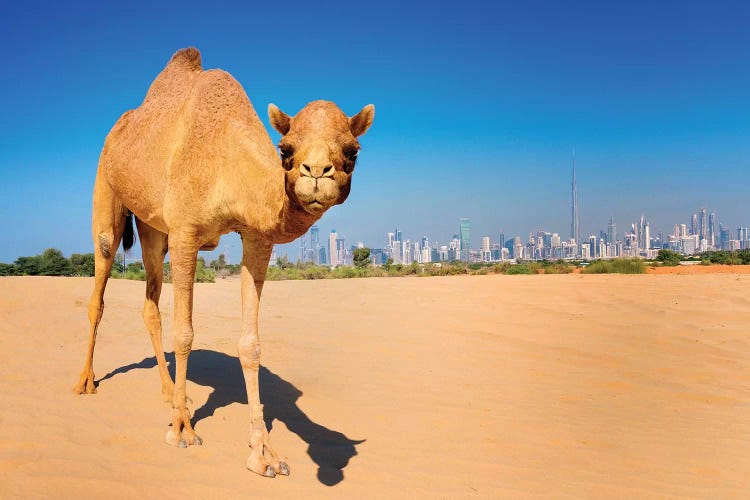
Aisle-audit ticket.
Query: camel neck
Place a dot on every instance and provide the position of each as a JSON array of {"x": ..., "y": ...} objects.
[{"x": 293, "y": 221}]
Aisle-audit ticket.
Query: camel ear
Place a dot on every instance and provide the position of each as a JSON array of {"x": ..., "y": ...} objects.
[
  {"x": 360, "y": 122},
  {"x": 280, "y": 120}
]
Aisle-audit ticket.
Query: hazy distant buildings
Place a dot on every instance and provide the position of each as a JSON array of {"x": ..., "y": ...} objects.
[
  {"x": 575, "y": 230},
  {"x": 742, "y": 237},
  {"x": 332, "y": 250},
  {"x": 540, "y": 245},
  {"x": 465, "y": 232}
]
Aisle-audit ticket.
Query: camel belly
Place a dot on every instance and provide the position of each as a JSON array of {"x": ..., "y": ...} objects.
[{"x": 211, "y": 244}]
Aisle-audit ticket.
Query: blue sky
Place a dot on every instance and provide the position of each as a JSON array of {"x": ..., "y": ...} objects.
[{"x": 478, "y": 107}]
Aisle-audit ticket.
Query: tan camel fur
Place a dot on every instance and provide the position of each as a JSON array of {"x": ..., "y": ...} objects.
[{"x": 194, "y": 162}]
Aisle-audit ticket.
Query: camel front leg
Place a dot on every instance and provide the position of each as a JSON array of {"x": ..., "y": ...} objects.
[
  {"x": 183, "y": 252},
  {"x": 255, "y": 255}
]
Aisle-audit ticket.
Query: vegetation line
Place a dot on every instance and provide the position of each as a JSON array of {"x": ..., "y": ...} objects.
[{"x": 52, "y": 262}]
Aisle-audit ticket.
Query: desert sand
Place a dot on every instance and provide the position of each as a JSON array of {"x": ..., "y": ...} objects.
[{"x": 559, "y": 386}]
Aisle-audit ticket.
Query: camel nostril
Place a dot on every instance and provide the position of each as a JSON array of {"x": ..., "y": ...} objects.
[
  {"x": 327, "y": 170},
  {"x": 306, "y": 170}
]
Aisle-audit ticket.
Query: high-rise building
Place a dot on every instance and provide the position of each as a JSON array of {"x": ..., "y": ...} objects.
[
  {"x": 592, "y": 247},
  {"x": 723, "y": 237},
  {"x": 315, "y": 243},
  {"x": 396, "y": 252},
  {"x": 398, "y": 235},
  {"x": 465, "y": 232},
  {"x": 517, "y": 248},
  {"x": 694, "y": 224},
  {"x": 711, "y": 236},
  {"x": 575, "y": 230},
  {"x": 702, "y": 224},
  {"x": 332, "y": 250},
  {"x": 742, "y": 237},
  {"x": 486, "y": 256},
  {"x": 341, "y": 252},
  {"x": 322, "y": 256},
  {"x": 611, "y": 232}
]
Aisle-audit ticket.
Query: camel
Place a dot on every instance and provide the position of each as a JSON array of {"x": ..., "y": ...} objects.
[{"x": 192, "y": 163}]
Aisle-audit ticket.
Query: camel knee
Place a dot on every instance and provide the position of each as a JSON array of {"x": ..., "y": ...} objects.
[
  {"x": 249, "y": 352},
  {"x": 183, "y": 341},
  {"x": 105, "y": 244}
]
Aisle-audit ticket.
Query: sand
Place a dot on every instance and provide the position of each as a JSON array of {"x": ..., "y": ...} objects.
[
  {"x": 559, "y": 386},
  {"x": 699, "y": 269}
]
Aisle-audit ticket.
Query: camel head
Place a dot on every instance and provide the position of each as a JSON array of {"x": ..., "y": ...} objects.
[{"x": 318, "y": 149}]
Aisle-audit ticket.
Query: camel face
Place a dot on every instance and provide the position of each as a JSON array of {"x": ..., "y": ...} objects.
[{"x": 318, "y": 150}]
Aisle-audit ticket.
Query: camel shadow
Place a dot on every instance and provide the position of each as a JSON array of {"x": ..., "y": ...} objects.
[{"x": 330, "y": 450}]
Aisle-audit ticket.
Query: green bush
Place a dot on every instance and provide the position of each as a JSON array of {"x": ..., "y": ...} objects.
[
  {"x": 519, "y": 269},
  {"x": 619, "y": 266},
  {"x": 668, "y": 257}
]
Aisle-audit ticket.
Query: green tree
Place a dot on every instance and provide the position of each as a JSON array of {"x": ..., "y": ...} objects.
[
  {"x": 388, "y": 264},
  {"x": 362, "y": 257},
  {"x": 668, "y": 257},
  {"x": 29, "y": 266},
  {"x": 219, "y": 263},
  {"x": 8, "y": 269},
  {"x": 283, "y": 262},
  {"x": 53, "y": 263},
  {"x": 82, "y": 264}
]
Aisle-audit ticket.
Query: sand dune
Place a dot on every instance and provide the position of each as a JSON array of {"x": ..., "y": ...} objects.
[{"x": 563, "y": 386}]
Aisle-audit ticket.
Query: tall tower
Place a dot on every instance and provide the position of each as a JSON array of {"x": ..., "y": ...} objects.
[
  {"x": 333, "y": 258},
  {"x": 611, "y": 231},
  {"x": 702, "y": 229},
  {"x": 465, "y": 232},
  {"x": 711, "y": 236},
  {"x": 575, "y": 231}
]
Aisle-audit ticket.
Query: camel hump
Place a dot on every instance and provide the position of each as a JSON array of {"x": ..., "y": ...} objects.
[{"x": 189, "y": 58}]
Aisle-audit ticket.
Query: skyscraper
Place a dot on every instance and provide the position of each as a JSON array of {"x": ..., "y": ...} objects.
[
  {"x": 611, "y": 232},
  {"x": 575, "y": 231},
  {"x": 702, "y": 229},
  {"x": 694, "y": 224},
  {"x": 333, "y": 259},
  {"x": 315, "y": 243},
  {"x": 711, "y": 237},
  {"x": 465, "y": 232}
]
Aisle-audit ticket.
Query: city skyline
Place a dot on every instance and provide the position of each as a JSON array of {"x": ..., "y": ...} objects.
[{"x": 703, "y": 235}]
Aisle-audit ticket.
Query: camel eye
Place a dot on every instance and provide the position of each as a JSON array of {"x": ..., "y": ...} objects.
[
  {"x": 286, "y": 151},
  {"x": 351, "y": 153}
]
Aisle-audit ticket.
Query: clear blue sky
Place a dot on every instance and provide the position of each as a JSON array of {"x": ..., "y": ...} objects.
[{"x": 478, "y": 107}]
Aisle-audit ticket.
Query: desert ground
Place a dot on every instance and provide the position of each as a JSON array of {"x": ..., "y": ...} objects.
[{"x": 553, "y": 386}]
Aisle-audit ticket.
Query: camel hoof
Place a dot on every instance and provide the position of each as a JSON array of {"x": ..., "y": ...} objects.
[
  {"x": 283, "y": 469},
  {"x": 197, "y": 441},
  {"x": 269, "y": 472},
  {"x": 171, "y": 439},
  {"x": 182, "y": 444}
]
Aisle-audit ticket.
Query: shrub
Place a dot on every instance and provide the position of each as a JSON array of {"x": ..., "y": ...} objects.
[
  {"x": 668, "y": 257},
  {"x": 620, "y": 266},
  {"x": 519, "y": 269}
]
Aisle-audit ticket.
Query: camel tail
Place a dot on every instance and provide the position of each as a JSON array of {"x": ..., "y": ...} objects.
[
  {"x": 128, "y": 237},
  {"x": 189, "y": 58}
]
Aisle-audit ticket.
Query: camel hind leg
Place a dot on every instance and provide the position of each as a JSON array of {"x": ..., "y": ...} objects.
[
  {"x": 154, "y": 248},
  {"x": 108, "y": 225}
]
